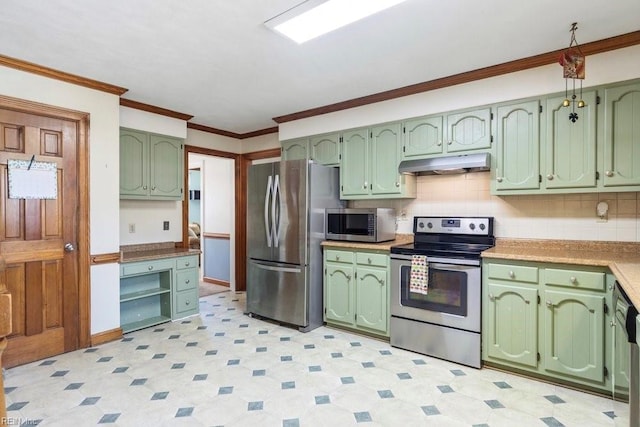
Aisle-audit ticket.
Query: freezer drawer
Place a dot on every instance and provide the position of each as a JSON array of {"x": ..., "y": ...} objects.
[{"x": 278, "y": 292}]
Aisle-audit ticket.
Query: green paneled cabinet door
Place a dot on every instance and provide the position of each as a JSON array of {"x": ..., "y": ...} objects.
[
  {"x": 354, "y": 168},
  {"x": 423, "y": 137},
  {"x": 385, "y": 158},
  {"x": 165, "y": 164},
  {"x": 517, "y": 146},
  {"x": 134, "y": 163},
  {"x": 570, "y": 147},
  {"x": 622, "y": 136},
  {"x": 339, "y": 293},
  {"x": 468, "y": 130},
  {"x": 574, "y": 335},
  {"x": 372, "y": 302},
  {"x": 325, "y": 149},
  {"x": 511, "y": 323},
  {"x": 295, "y": 149}
]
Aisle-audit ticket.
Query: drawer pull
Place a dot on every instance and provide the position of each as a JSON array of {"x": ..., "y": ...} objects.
[
  {"x": 150, "y": 267},
  {"x": 369, "y": 260},
  {"x": 187, "y": 281},
  {"x": 499, "y": 179},
  {"x": 512, "y": 274},
  {"x": 187, "y": 264},
  {"x": 573, "y": 280},
  {"x": 187, "y": 302},
  {"x": 337, "y": 257}
]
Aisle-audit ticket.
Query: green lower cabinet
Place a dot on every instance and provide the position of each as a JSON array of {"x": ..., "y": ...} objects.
[
  {"x": 511, "y": 331},
  {"x": 551, "y": 320},
  {"x": 574, "y": 335},
  {"x": 356, "y": 290}
]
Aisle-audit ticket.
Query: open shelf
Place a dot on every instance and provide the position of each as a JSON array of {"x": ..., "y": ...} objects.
[
  {"x": 151, "y": 321},
  {"x": 142, "y": 294}
]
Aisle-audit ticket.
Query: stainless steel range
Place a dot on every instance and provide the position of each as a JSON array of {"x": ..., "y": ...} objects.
[{"x": 436, "y": 288}]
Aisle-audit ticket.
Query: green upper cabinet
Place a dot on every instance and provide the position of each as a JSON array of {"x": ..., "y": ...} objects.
[
  {"x": 469, "y": 130},
  {"x": 570, "y": 147},
  {"x": 295, "y": 149},
  {"x": 423, "y": 137},
  {"x": 457, "y": 132},
  {"x": 622, "y": 136},
  {"x": 150, "y": 166},
  {"x": 574, "y": 334},
  {"x": 517, "y": 162},
  {"x": 354, "y": 167},
  {"x": 369, "y": 164},
  {"x": 325, "y": 149}
]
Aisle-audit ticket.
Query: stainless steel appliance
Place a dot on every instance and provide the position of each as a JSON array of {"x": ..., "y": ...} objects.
[
  {"x": 442, "y": 320},
  {"x": 285, "y": 225},
  {"x": 626, "y": 314},
  {"x": 361, "y": 224}
]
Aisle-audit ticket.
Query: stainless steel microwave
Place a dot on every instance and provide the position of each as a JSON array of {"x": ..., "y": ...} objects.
[{"x": 360, "y": 224}]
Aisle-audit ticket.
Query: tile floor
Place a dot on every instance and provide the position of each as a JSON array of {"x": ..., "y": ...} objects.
[{"x": 223, "y": 368}]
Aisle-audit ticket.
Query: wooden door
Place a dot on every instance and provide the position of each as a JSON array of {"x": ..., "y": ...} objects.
[{"x": 40, "y": 274}]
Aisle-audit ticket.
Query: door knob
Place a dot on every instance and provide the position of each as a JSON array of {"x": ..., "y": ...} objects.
[{"x": 68, "y": 247}]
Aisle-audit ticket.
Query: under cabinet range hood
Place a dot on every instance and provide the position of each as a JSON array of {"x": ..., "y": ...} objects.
[{"x": 478, "y": 162}]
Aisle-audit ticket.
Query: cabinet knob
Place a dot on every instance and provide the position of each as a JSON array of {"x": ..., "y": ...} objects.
[
  {"x": 144, "y": 187},
  {"x": 397, "y": 184},
  {"x": 499, "y": 179},
  {"x": 369, "y": 260},
  {"x": 381, "y": 281},
  {"x": 187, "y": 264},
  {"x": 365, "y": 185},
  {"x": 439, "y": 143},
  {"x": 573, "y": 280},
  {"x": 187, "y": 302},
  {"x": 150, "y": 267},
  {"x": 187, "y": 281},
  {"x": 153, "y": 188},
  {"x": 549, "y": 304},
  {"x": 550, "y": 177},
  {"x": 492, "y": 297},
  {"x": 512, "y": 274},
  {"x": 348, "y": 278},
  {"x": 609, "y": 173},
  {"x": 450, "y": 142},
  {"x": 337, "y": 257}
]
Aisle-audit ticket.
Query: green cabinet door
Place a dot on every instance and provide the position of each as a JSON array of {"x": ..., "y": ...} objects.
[
  {"x": 339, "y": 294},
  {"x": 295, "y": 149},
  {"x": 385, "y": 158},
  {"x": 134, "y": 163},
  {"x": 570, "y": 160},
  {"x": 354, "y": 168},
  {"x": 622, "y": 136},
  {"x": 574, "y": 335},
  {"x": 511, "y": 319},
  {"x": 469, "y": 130},
  {"x": 422, "y": 137},
  {"x": 325, "y": 149},
  {"x": 165, "y": 159},
  {"x": 372, "y": 302},
  {"x": 518, "y": 146}
]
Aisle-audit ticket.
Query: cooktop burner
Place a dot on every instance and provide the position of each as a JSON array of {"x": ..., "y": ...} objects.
[{"x": 447, "y": 237}]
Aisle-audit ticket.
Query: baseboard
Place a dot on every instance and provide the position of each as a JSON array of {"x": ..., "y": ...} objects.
[
  {"x": 106, "y": 336},
  {"x": 216, "y": 281}
]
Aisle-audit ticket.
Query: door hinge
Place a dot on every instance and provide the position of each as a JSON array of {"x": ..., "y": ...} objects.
[
  {"x": 538, "y": 357},
  {"x": 538, "y": 299},
  {"x": 597, "y": 175},
  {"x": 491, "y": 116},
  {"x": 598, "y": 100},
  {"x": 404, "y": 129},
  {"x": 605, "y": 371},
  {"x": 539, "y": 108},
  {"x": 606, "y": 308},
  {"x": 325, "y": 271},
  {"x": 491, "y": 138},
  {"x": 370, "y": 186},
  {"x": 325, "y": 310},
  {"x": 355, "y": 275},
  {"x": 342, "y": 187},
  {"x": 371, "y": 135},
  {"x": 539, "y": 178},
  {"x": 404, "y": 148}
]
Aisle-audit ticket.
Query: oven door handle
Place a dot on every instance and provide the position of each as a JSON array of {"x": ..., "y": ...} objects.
[{"x": 451, "y": 267}]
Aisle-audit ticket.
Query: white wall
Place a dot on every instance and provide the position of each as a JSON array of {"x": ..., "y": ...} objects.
[
  {"x": 103, "y": 167},
  {"x": 148, "y": 216}
]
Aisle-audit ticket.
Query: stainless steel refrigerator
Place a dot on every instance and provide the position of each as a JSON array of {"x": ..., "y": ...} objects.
[{"x": 285, "y": 225}]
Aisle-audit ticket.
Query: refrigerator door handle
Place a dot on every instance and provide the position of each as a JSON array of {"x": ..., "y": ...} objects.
[
  {"x": 275, "y": 268},
  {"x": 267, "y": 226},
  {"x": 275, "y": 212}
]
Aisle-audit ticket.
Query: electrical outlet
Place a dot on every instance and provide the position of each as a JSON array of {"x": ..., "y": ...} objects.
[
  {"x": 165, "y": 225},
  {"x": 132, "y": 228}
]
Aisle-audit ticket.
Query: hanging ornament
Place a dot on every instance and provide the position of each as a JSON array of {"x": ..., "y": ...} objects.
[{"x": 573, "y": 64}]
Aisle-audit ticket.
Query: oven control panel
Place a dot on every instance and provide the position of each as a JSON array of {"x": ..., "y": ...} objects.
[{"x": 479, "y": 226}]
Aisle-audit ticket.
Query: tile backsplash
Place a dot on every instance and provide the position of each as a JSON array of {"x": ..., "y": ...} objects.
[{"x": 557, "y": 216}]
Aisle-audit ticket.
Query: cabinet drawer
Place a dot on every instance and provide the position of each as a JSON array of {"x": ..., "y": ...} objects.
[
  {"x": 187, "y": 262},
  {"x": 518, "y": 273},
  {"x": 146, "y": 267},
  {"x": 338, "y": 256},
  {"x": 575, "y": 279},
  {"x": 186, "y": 302},
  {"x": 378, "y": 260},
  {"x": 187, "y": 279}
]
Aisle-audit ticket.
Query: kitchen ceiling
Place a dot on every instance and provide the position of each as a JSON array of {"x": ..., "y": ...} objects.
[{"x": 215, "y": 60}]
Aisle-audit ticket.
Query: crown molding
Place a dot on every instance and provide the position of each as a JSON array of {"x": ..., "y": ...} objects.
[
  {"x": 40, "y": 70},
  {"x": 229, "y": 134},
  {"x": 600, "y": 46},
  {"x": 153, "y": 109}
]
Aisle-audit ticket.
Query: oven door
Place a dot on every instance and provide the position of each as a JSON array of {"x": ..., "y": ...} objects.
[{"x": 453, "y": 297}]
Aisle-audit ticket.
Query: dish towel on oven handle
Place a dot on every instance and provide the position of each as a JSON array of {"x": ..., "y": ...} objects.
[{"x": 419, "y": 280}]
